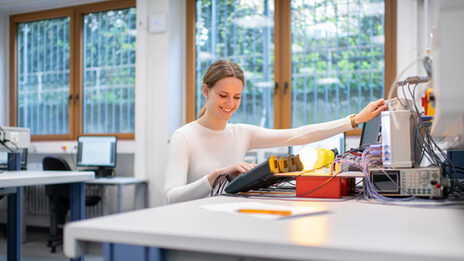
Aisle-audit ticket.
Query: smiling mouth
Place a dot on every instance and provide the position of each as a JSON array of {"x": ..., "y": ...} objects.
[{"x": 227, "y": 110}]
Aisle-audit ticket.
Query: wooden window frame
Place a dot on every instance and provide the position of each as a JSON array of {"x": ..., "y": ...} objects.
[
  {"x": 282, "y": 66},
  {"x": 76, "y": 14}
]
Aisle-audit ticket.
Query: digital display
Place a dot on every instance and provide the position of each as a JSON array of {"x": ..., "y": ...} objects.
[
  {"x": 96, "y": 151},
  {"x": 384, "y": 183}
]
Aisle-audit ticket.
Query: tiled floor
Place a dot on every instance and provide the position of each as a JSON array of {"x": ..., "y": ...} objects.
[{"x": 35, "y": 248}]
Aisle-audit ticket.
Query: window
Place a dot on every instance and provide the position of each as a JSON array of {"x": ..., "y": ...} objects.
[
  {"x": 43, "y": 75},
  {"x": 109, "y": 72},
  {"x": 337, "y": 58},
  {"x": 305, "y": 61},
  {"x": 74, "y": 71},
  {"x": 241, "y": 32}
]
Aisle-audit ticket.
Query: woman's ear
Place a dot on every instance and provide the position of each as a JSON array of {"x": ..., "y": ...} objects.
[{"x": 205, "y": 90}]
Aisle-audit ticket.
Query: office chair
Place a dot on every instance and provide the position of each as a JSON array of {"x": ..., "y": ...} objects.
[{"x": 59, "y": 201}]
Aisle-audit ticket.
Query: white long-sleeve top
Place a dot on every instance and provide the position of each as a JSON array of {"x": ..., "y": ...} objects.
[{"x": 195, "y": 151}]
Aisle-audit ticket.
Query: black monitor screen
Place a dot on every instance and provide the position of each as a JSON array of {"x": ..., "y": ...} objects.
[
  {"x": 97, "y": 151},
  {"x": 370, "y": 131}
]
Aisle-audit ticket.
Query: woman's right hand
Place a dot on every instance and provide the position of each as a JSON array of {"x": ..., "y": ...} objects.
[
  {"x": 370, "y": 111},
  {"x": 233, "y": 171},
  {"x": 238, "y": 169}
]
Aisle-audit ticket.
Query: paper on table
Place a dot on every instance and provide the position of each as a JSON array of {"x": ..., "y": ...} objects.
[{"x": 234, "y": 208}]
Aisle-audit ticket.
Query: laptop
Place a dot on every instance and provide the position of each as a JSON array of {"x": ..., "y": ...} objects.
[{"x": 370, "y": 132}]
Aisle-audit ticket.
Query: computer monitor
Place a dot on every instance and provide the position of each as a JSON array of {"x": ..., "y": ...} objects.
[
  {"x": 97, "y": 151},
  {"x": 370, "y": 132},
  {"x": 4, "y": 159}
]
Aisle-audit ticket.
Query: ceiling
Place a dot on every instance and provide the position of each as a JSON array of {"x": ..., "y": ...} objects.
[{"x": 24, "y": 6}]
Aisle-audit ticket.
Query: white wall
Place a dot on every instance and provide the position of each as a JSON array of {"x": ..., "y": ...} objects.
[
  {"x": 413, "y": 39},
  {"x": 407, "y": 46},
  {"x": 159, "y": 90},
  {"x": 4, "y": 72}
]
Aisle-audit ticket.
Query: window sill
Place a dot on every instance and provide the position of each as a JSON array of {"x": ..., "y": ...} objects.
[{"x": 70, "y": 147}]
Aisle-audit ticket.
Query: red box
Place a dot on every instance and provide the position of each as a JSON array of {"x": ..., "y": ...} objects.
[{"x": 335, "y": 188}]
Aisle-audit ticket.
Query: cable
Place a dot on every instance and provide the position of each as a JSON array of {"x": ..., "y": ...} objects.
[
  {"x": 220, "y": 181},
  {"x": 399, "y": 100},
  {"x": 440, "y": 204},
  {"x": 6, "y": 146},
  {"x": 457, "y": 167},
  {"x": 4, "y": 141},
  {"x": 430, "y": 144},
  {"x": 392, "y": 87},
  {"x": 369, "y": 189}
]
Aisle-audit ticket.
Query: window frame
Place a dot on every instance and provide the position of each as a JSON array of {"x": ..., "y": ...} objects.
[
  {"x": 75, "y": 13},
  {"x": 282, "y": 65}
]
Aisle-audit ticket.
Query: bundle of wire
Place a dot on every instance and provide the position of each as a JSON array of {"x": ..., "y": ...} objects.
[
  {"x": 430, "y": 150},
  {"x": 367, "y": 162},
  {"x": 368, "y": 158},
  {"x": 219, "y": 184}
]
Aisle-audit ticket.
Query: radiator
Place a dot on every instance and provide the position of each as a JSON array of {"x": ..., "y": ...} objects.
[{"x": 36, "y": 202}]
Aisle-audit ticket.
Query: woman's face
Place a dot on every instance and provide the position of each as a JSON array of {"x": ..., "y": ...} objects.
[{"x": 223, "y": 99}]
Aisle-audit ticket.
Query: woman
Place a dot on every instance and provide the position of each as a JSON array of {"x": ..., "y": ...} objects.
[{"x": 202, "y": 150}]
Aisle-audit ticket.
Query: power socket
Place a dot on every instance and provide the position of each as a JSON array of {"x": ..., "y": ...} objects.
[
  {"x": 14, "y": 137},
  {"x": 20, "y": 137}
]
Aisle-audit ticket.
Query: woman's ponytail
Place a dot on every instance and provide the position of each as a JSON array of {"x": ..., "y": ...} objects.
[{"x": 202, "y": 111}]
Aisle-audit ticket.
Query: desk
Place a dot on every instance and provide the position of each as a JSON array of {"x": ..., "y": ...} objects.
[
  {"x": 352, "y": 230},
  {"x": 10, "y": 183},
  {"x": 121, "y": 182}
]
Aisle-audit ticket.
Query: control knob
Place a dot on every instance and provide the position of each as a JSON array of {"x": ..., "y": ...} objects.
[{"x": 425, "y": 175}]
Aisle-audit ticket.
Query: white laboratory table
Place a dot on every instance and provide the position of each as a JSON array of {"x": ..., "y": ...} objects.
[
  {"x": 10, "y": 183},
  {"x": 351, "y": 230},
  {"x": 33, "y": 178},
  {"x": 120, "y": 182}
]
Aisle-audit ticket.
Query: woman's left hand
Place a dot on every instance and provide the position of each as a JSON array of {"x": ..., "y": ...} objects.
[{"x": 370, "y": 111}]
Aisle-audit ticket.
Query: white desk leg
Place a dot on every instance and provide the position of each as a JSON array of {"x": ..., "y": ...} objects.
[
  {"x": 107, "y": 192},
  {"x": 146, "y": 194},
  {"x": 120, "y": 203},
  {"x": 140, "y": 195}
]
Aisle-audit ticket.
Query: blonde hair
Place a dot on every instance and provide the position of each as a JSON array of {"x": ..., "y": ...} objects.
[{"x": 219, "y": 70}]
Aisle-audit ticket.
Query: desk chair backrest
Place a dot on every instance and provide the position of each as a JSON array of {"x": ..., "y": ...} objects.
[
  {"x": 55, "y": 163},
  {"x": 60, "y": 190},
  {"x": 59, "y": 200}
]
